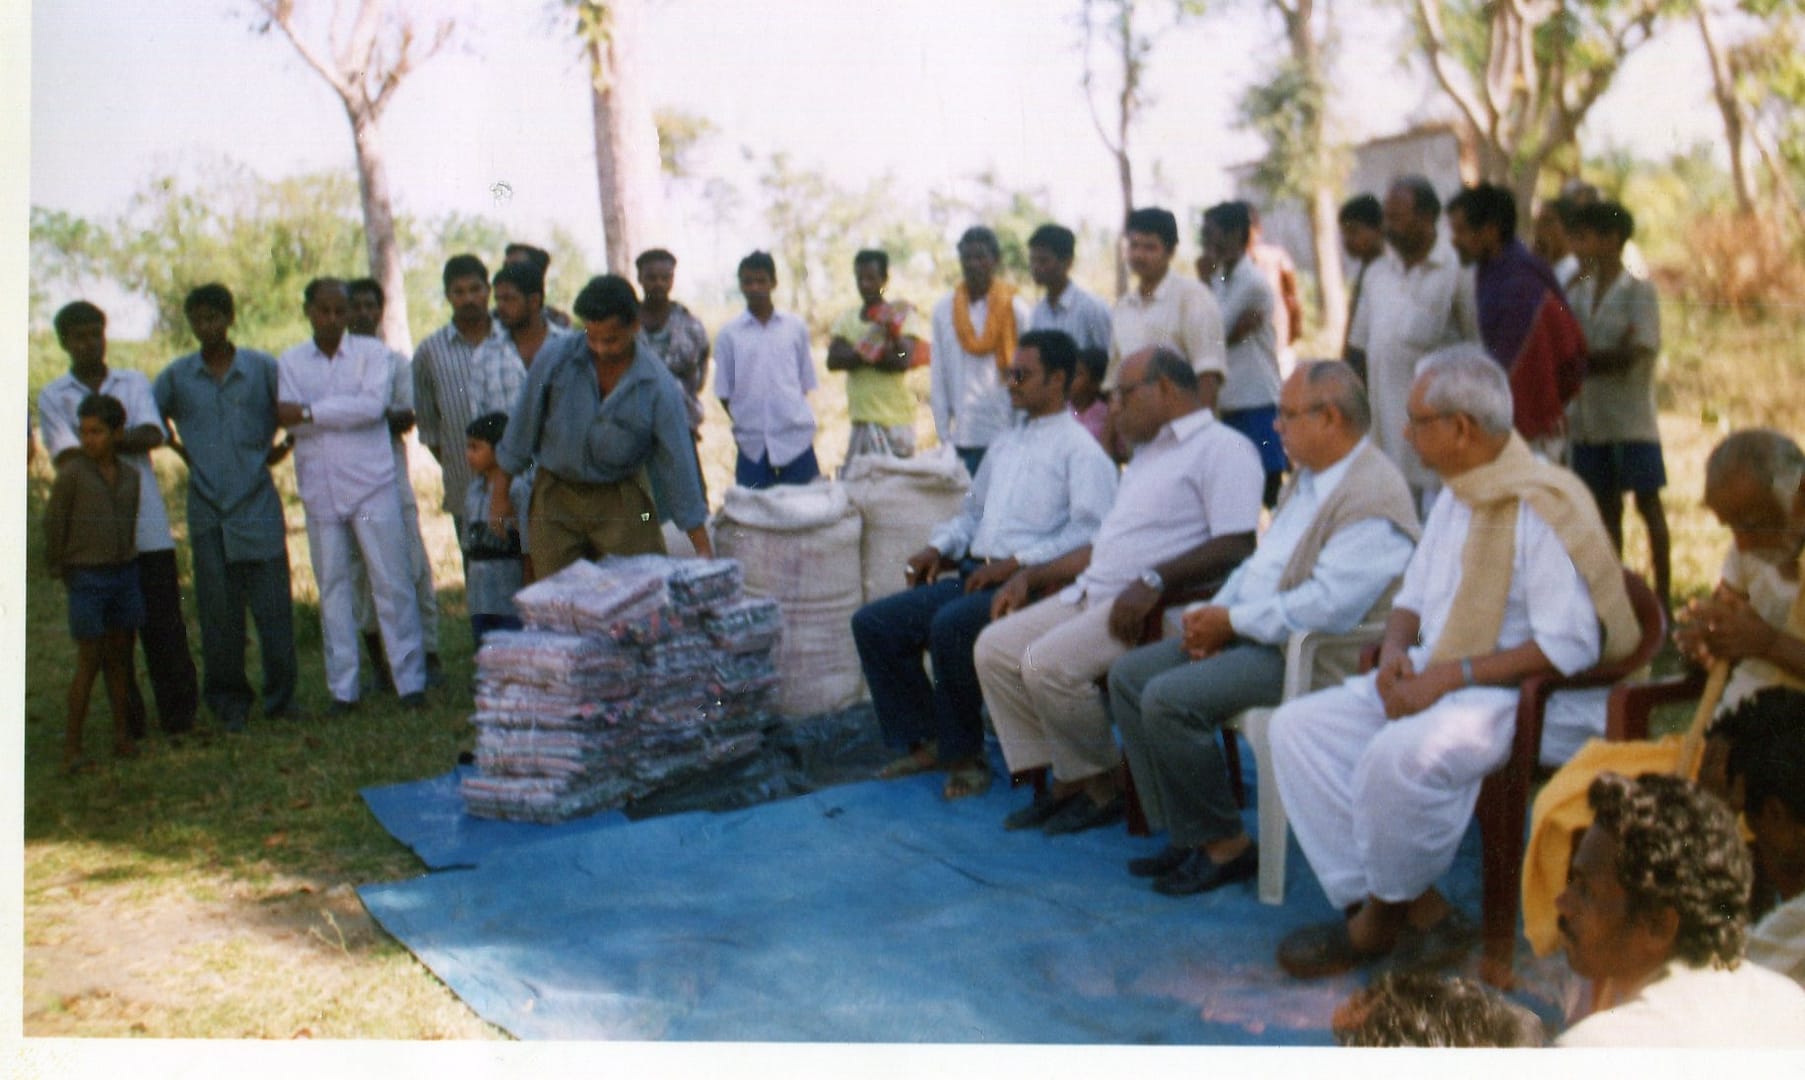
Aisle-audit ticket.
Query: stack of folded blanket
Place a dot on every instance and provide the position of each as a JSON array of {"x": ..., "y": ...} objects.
[{"x": 632, "y": 675}]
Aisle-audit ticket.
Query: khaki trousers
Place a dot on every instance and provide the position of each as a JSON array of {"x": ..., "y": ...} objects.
[
  {"x": 1039, "y": 669},
  {"x": 571, "y": 520}
]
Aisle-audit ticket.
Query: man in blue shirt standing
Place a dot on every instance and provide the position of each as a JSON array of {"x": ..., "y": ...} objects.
[
  {"x": 600, "y": 418},
  {"x": 220, "y": 405}
]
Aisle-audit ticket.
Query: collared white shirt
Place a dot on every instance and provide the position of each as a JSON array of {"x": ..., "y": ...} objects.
[
  {"x": 1180, "y": 314},
  {"x": 1198, "y": 479},
  {"x": 1253, "y": 362},
  {"x": 1083, "y": 317},
  {"x": 762, "y": 372},
  {"x": 1041, "y": 491},
  {"x": 343, "y": 457},
  {"x": 1405, "y": 314},
  {"x": 61, "y": 430},
  {"x": 970, "y": 404},
  {"x": 1351, "y": 572},
  {"x": 1619, "y": 406}
]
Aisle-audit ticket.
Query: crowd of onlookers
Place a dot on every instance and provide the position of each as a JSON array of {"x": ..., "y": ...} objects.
[{"x": 1456, "y": 477}]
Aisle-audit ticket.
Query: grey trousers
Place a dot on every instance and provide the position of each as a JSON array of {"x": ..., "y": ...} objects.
[{"x": 1170, "y": 710}]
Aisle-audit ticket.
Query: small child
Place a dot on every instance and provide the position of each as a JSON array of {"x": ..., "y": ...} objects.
[
  {"x": 1088, "y": 404},
  {"x": 495, "y": 568},
  {"x": 90, "y": 524}
]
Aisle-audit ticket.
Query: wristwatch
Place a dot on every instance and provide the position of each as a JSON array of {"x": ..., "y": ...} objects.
[{"x": 1153, "y": 581}]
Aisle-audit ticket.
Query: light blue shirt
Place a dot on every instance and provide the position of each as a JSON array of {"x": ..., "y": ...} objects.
[
  {"x": 1042, "y": 491},
  {"x": 1083, "y": 317},
  {"x": 1351, "y": 572},
  {"x": 763, "y": 374}
]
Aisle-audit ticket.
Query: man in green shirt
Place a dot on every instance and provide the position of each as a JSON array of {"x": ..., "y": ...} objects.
[{"x": 874, "y": 344}]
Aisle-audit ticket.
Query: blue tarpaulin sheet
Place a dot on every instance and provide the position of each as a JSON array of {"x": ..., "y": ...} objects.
[{"x": 869, "y": 912}]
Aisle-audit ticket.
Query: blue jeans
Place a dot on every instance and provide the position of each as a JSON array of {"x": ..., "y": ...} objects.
[
  {"x": 972, "y": 456},
  {"x": 222, "y": 591},
  {"x": 892, "y": 634},
  {"x": 762, "y": 474}
]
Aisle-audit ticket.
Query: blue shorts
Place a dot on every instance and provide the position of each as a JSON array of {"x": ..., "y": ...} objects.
[
  {"x": 1256, "y": 424},
  {"x": 1610, "y": 468},
  {"x": 103, "y": 598}
]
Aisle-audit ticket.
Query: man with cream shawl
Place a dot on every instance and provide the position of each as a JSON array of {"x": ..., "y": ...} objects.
[
  {"x": 975, "y": 330},
  {"x": 1514, "y": 576}
]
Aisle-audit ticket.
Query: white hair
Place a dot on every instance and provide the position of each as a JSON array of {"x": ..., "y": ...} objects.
[{"x": 1464, "y": 378}]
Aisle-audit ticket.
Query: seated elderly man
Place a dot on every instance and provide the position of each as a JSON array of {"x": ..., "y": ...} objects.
[
  {"x": 1755, "y": 484},
  {"x": 1344, "y": 529},
  {"x": 1513, "y": 577},
  {"x": 1655, "y": 914},
  {"x": 1185, "y": 513},
  {"x": 1041, "y": 491}
]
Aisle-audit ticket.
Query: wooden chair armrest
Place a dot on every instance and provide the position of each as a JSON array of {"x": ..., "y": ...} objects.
[{"x": 1630, "y": 705}]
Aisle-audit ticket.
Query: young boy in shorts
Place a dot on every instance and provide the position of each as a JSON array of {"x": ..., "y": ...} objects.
[
  {"x": 89, "y": 527},
  {"x": 1616, "y": 443}
]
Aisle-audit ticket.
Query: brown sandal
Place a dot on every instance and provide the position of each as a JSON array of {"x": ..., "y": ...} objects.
[
  {"x": 965, "y": 781},
  {"x": 924, "y": 758}
]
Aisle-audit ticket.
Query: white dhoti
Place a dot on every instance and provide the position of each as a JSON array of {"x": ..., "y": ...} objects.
[
  {"x": 375, "y": 534},
  {"x": 1379, "y": 806},
  {"x": 1039, "y": 669}
]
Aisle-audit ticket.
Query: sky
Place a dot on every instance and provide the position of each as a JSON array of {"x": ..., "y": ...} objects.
[{"x": 931, "y": 91}]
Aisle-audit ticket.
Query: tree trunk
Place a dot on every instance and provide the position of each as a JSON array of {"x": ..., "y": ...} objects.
[
  {"x": 626, "y": 140},
  {"x": 1125, "y": 117},
  {"x": 1125, "y": 173},
  {"x": 1723, "y": 89},
  {"x": 1325, "y": 232},
  {"x": 379, "y": 229}
]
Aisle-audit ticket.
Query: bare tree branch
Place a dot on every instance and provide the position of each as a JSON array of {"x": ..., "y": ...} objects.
[{"x": 1436, "y": 39}]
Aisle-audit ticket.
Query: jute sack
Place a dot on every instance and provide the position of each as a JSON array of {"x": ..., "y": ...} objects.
[
  {"x": 901, "y": 501},
  {"x": 799, "y": 545}
]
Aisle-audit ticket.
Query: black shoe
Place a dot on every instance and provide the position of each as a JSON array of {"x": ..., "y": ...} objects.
[
  {"x": 414, "y": 701},
  {"x": 1081, "y": 814},
  {"x": 1159, "y": 865},
  {"x": 1200, "y": 874},
  {"x": 1037, "y": 812},
  {"x": 341, "y": 708}
]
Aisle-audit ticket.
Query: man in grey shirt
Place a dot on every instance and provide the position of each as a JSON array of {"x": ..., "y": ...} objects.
[
  {"x": 600, "y": 417},
  {"x": 1065, "y": 307}
]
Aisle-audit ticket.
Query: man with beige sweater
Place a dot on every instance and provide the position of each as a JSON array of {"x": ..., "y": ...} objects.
[
  {"x": 1344, "y": 529},
  {"x": 1514, "y": 576}
]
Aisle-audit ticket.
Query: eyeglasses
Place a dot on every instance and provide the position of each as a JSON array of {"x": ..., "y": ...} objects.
[
  {"x": 1120, "y": 393},
  {"x": 1016, "y": 376},
  {"x": 1417, "y": 423}
]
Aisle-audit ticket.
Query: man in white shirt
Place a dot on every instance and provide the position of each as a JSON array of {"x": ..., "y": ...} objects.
[
  {"x": 1245, "y": 301},
  {"x": 1333, "y": 551},
  {"x": 1414, "y": 300},
  {"x": 1041, "y": 492},
  {"x": 81, "y": 329},
  {"x": 1063, "y": 305},
  {"x": 333, "y": 394},
  {"x": 974, "y": 334},
  {"x": 763, "y": 374},
  {"x": 1380, "y": 774},
  {"x": 367, "y": 302},
  {"x": 1162, "y": 308},
  {"x": 1185, "y": 513},
  {"x": 1655, "y": 914}
]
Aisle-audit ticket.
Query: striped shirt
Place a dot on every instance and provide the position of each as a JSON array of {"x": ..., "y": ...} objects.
[{"x": 443, "y": 365}]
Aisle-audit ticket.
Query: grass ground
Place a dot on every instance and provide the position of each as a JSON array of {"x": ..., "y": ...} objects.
[{"x": 205, "y": 890}]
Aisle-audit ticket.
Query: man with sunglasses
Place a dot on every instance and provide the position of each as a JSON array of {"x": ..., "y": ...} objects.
[
  {"x": 1040, "y": 492},
  {"x": 1185, "y": 513}
]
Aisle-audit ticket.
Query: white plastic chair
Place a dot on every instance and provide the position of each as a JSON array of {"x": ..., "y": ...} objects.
[{"x": 1301, "y": 677}]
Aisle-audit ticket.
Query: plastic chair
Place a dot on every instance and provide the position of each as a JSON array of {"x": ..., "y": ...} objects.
[{"x": 1301, "y": 677}]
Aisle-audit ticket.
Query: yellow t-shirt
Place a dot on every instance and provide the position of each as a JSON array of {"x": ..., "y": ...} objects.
[{"x": 874, "y": 396}]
